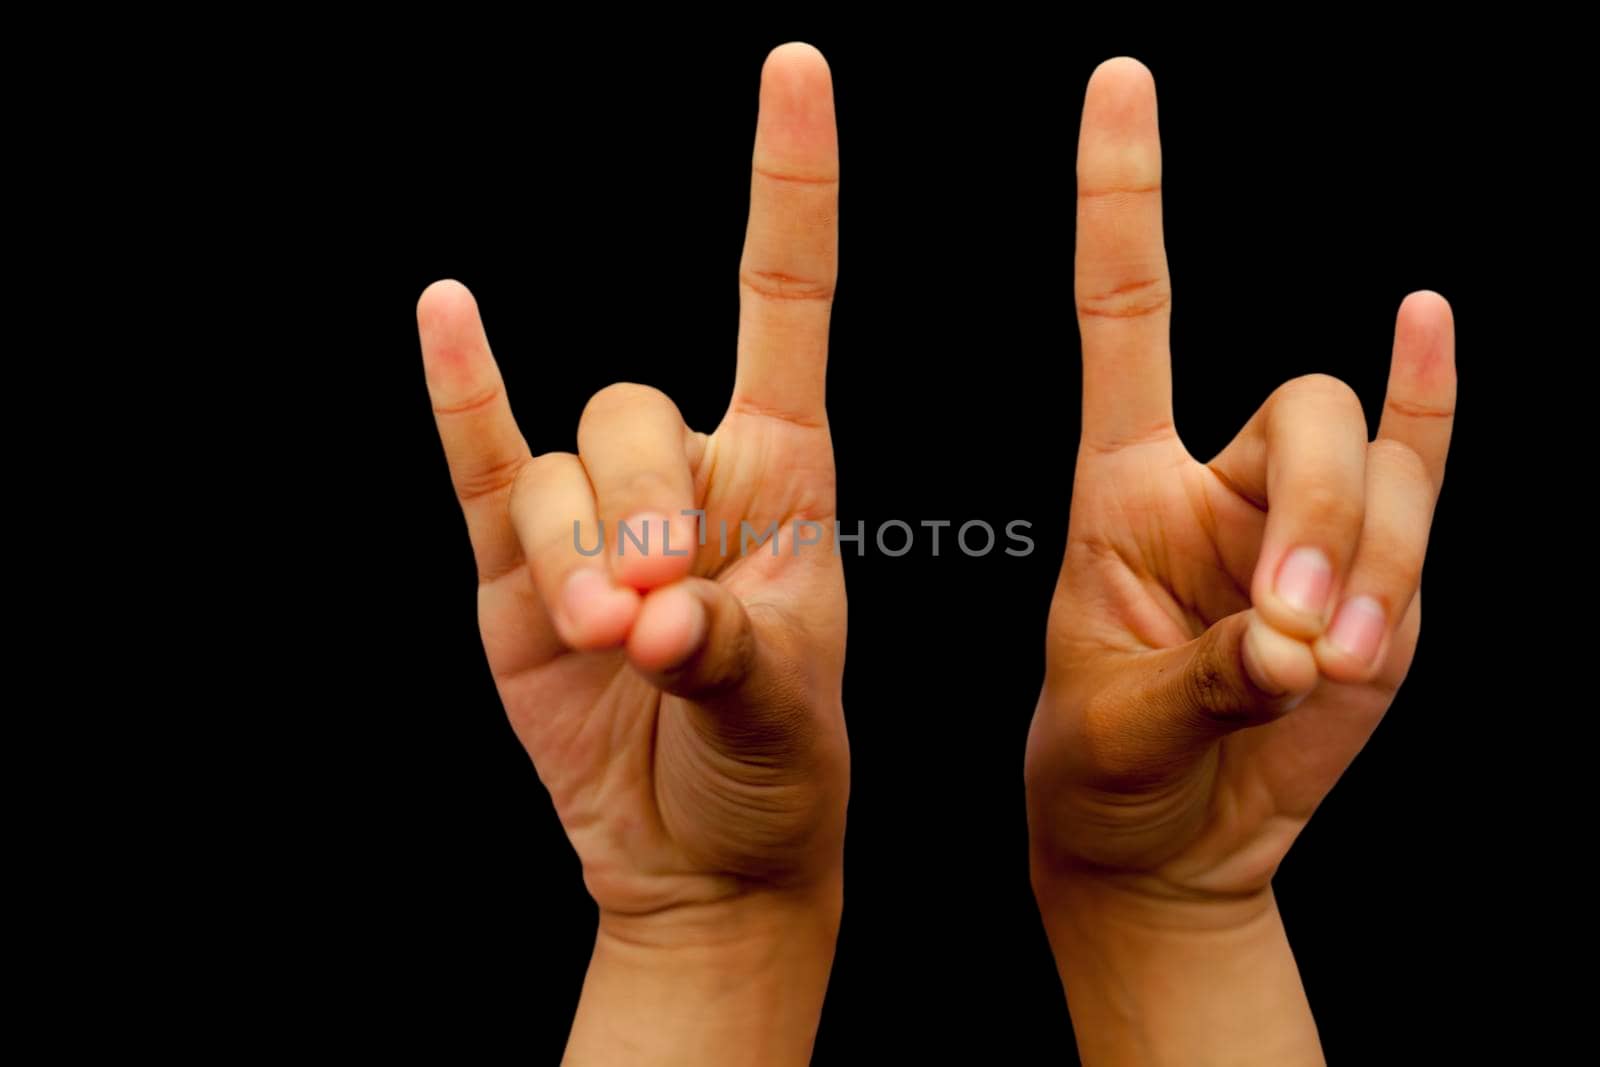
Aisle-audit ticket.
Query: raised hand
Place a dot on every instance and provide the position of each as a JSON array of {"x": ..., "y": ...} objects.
[
  {"x": 681, "y": 702},
  {"x": 1225, "y": 635}
]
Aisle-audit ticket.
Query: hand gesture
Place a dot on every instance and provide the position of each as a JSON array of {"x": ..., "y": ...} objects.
[
  {"x": 681, "y": 700},
  {"x": 1225, "y": 635}
]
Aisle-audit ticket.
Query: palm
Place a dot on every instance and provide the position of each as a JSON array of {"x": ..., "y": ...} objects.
[
  {"x": 1160, "y": 584},
  {"x": 627, "y": 763},
  {"x": 683, "y": 708},
  {"x": 1198, "y": 706}
]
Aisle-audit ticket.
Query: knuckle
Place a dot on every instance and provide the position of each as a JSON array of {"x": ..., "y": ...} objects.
[
  {"x": 643, "y": 486},
  {"x": 1391, "y": 561},
  {"x": 537, "y": 473},
  {"x": 1136, "y": 297},
  {"x": 732, "y": 661},
  {"x": 782, "y": 285},
  {"x": 1418, "y": 409},
  {"x": 1401, "y": 460},
  {"x": 1323, "y": 389},
  {"x": 622, "y": 398},
  {"x": 488, "y": 479},
  {"x": 1323, "y": 506},
  {"x": 1212, "y": 683}
]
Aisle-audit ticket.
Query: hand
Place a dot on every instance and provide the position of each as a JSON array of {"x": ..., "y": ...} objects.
[
  {"x": 683, "y": 708},
  {"x": 1225, "y": 635}
]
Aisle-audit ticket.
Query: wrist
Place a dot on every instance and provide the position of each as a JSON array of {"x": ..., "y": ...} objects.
[
  {"x": 1144, "y": 902},
  {"x": 1157, "y": 975},
  {"x": 733, "y": 982},
  {"x": 729, "y": 924}
]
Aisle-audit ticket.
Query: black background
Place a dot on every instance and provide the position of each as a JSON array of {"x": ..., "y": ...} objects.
[{"x": 418, "y": 890}]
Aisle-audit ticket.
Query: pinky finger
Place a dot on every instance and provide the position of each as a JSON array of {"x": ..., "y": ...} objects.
[
  {"x": 1387, "y": 568},
  {"x": 1419, "y": 410}
]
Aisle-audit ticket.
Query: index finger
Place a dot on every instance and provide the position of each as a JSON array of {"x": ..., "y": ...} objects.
[
  {"x": 482, "y": 443},
  {"x": 787, "y": 273},
  {"x": 1123, "y": 291}
]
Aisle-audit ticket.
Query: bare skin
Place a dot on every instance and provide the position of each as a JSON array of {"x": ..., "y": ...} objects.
[
  {"x": 1224, "y": 638},
  {"x": 684, "y": 711}
]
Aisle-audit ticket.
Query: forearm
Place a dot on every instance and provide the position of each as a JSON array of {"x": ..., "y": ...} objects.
[
  {"x": 1154, "y": 982},
  {"x": 730, "y": 985}
]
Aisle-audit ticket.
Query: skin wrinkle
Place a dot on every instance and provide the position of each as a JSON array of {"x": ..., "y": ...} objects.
[
  {"x": 813, "y": 291},
  {"x": 1233, "y": 487},
  {"x": 1180, "y": 609},
  {"x": 1118, "y": 190},
  {"x": 1222, "y": 812},
  {"x": 1126, "y": 311},
  {"x": 781, "y": 277},
  {"x": 1108, "y": 554},
  {"x": 1417, "y": 411},
  {"x": 501, "y": 573},
  {"x": 477, "y": 403},
  {"x": 1145, "y": 568},
  {"x": 491, "y": 480},
  {"x": 793, "y": 418},
  {"x": 1210, "y": 525},
  {"x": 1158, "y": 433},
  {"x": 799, "y": 179}
]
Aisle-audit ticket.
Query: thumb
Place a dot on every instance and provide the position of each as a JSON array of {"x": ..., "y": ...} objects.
[
  {"x": 1241, "y": 672},
  {"x": 696, "y": 640},
  {"x": 692, "y": 638}
]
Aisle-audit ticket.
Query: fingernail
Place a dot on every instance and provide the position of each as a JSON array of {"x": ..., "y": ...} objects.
[
  {"x": 1296, "y": 671},
  {"x": 582, "y": 587},
  {"x": 1357, "y": 630},
  {"x": 1304, "y": 579},
  {"x": 1254, "y": 660},
  {"x": 698, "y": 624},
  {"x": 644, "y": 534}
]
